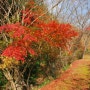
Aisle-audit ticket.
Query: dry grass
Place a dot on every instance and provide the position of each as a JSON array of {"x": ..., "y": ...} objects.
[{"x": 86, "y": 56}]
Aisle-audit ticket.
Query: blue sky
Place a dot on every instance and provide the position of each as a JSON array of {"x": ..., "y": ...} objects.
[{"x": 71, "y": 11}]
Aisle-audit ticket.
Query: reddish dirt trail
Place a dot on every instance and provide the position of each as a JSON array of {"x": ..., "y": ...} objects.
[{"x": 77, "y": 77}]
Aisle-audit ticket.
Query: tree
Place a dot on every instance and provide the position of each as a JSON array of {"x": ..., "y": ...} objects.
[
  {"x": 76, "y": 12},
  {"x": 24, "y": 40}
]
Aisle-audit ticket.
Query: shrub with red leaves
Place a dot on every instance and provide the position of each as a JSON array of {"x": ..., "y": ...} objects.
[
  {"x": 55, "y": 34},
  {"x": 16, "y": 52},
  {"x": 22, "y": 40}
]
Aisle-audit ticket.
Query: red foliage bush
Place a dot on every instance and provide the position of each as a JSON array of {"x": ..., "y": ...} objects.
[
  {"x": 57, "y": 34},
  {"x": 16, "y": 52},
  {"x": 22, "y": 39},
  {"x": 23, "y": 35}
]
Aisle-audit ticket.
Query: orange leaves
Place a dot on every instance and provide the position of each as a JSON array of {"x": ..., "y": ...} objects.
[
  {"x": 22, "y": 41},
  {"x": 29, "y": 38},
  {"x": 23, "y": 36},
  {"x": 57, "y": 34},
  {"x": 53, "y": 33},
  {"x": 31, "y": 51},
  {"x": 17, "y": 52},
  {"x": 14, "y": 30}
]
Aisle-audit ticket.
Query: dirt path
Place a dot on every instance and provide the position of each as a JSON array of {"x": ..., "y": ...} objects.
[{"x": 77, "y": 77}]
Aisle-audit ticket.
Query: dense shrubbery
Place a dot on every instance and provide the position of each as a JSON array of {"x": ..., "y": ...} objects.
[
  {"x": 33, "y": 49},
  {"x": 3, "y": 80}
]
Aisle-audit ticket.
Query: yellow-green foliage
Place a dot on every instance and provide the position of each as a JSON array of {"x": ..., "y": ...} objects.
[
  {"x": 8, "y": 62},
  {"x": 77, "y": 77}
]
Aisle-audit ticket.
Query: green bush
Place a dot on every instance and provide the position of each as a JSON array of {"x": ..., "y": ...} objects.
[{"x": 3, "y": 80}]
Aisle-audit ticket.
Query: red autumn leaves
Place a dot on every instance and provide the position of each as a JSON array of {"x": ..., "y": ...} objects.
[
  {"x": 16, "y": 52},
  {"x": 22, "y": 39},
  {"x": 53, "y": 33},
  {"x": 57, "y": 34}
]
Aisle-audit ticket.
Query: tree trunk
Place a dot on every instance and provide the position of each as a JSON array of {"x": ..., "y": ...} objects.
[{"x": 13, "y": 85}]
